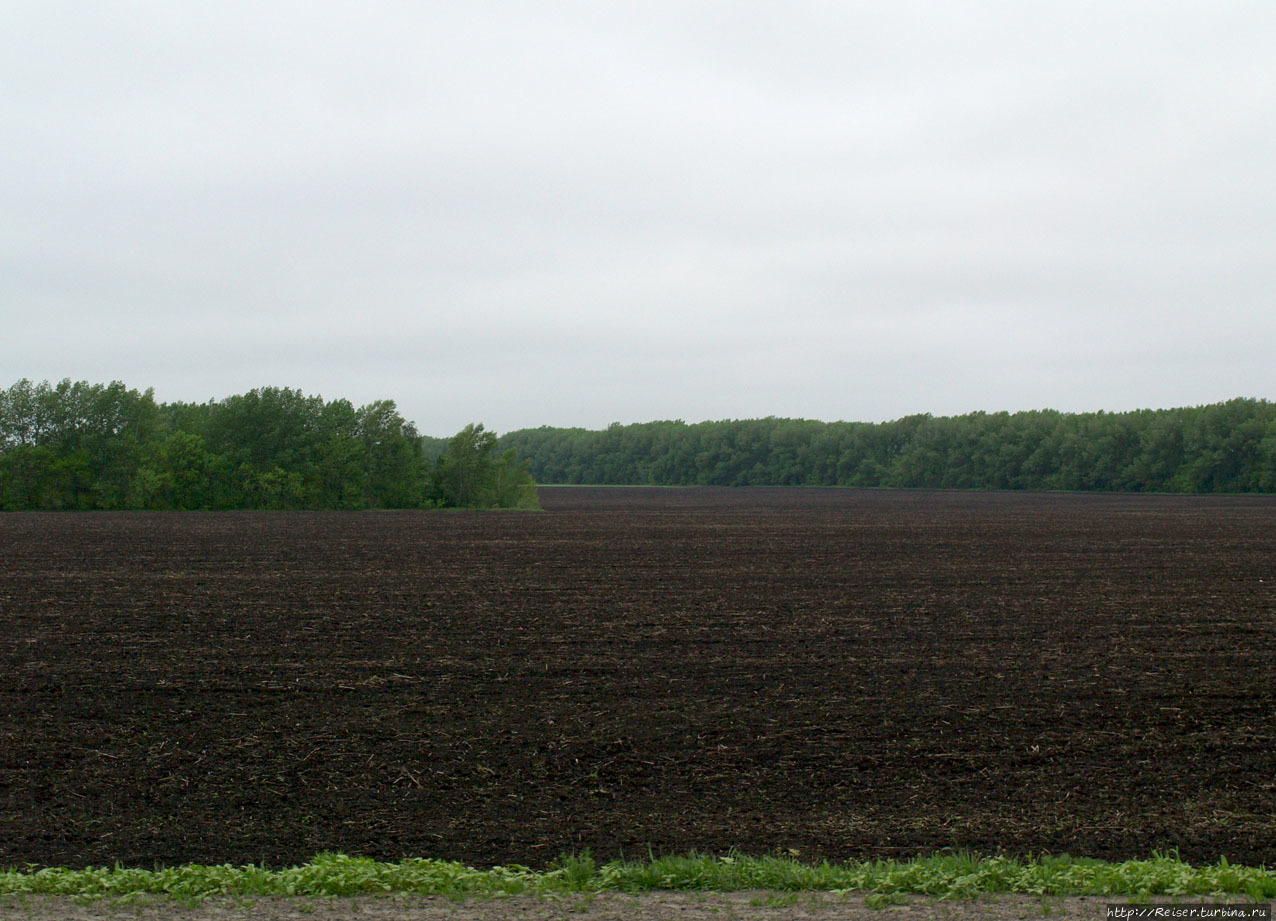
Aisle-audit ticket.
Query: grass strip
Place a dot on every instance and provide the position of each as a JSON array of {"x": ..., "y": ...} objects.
[{"x": 950, "y": 876}]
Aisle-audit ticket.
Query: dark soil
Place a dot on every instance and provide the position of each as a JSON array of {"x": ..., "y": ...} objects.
[{"x": 840, "y": 673}]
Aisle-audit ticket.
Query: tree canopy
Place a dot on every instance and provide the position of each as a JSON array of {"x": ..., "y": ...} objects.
[
  {"x": 105, "y": 446},
  {"x": 1224, "y": 447},
  {"x": 469, "y": 475},
  {"x": 94, "y": 446}
]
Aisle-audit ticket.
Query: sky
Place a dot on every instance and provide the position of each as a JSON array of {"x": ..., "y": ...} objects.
[{"x": 579, "y": 213}]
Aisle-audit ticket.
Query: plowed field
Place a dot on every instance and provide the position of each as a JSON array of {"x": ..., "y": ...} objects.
[{"x": 841, "y": 673}]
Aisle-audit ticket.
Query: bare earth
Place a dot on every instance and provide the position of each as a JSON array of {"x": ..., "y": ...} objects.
[
  {"x": 849, "y": 674},
  {"x": 659, "y": 906}
]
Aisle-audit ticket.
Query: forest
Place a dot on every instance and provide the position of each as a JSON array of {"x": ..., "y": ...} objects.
[
  {"x": 105, "y": 446},
  {"x": 1225, "y": 447}
]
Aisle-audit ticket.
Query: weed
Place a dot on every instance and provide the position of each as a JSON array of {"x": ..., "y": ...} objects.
[
  {"x": 573, "y": 872},
  {"x": 949, "y": 876},
  {"x": 879, "y": 900}
]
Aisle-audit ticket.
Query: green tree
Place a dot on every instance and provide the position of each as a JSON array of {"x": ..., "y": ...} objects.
[
  {"x": 181, "y": 468},
  {"x": 468, "y": 475},
  {"x": 393, "y": 458},
  {"x": 512, "y": 485},
  {"x": 462, "y": 476}
]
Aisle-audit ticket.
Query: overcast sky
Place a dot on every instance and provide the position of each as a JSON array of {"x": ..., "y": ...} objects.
[{"x": 553, "y": 213}]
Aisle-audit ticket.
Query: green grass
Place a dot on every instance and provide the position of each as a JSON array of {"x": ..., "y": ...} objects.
[{"x": 956, "y": 876}]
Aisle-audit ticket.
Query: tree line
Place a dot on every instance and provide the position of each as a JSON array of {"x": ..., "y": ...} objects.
[
  {"x": 105, "y": 446},
  {"x": 1220, "y": 448},
  {"x": 95, "y": 446}
]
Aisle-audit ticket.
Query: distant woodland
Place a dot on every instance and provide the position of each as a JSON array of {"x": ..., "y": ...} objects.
[
  {"x": 96, "y": 446},
  {"x": 105, "y": 446},
  {"x": 1220, "y": 448}
]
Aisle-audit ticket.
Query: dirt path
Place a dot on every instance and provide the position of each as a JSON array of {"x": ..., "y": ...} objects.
[{"x": 662, "y": 906}]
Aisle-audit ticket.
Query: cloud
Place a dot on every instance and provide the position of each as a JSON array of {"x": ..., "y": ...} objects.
[{"x": 579, "y": 213}]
